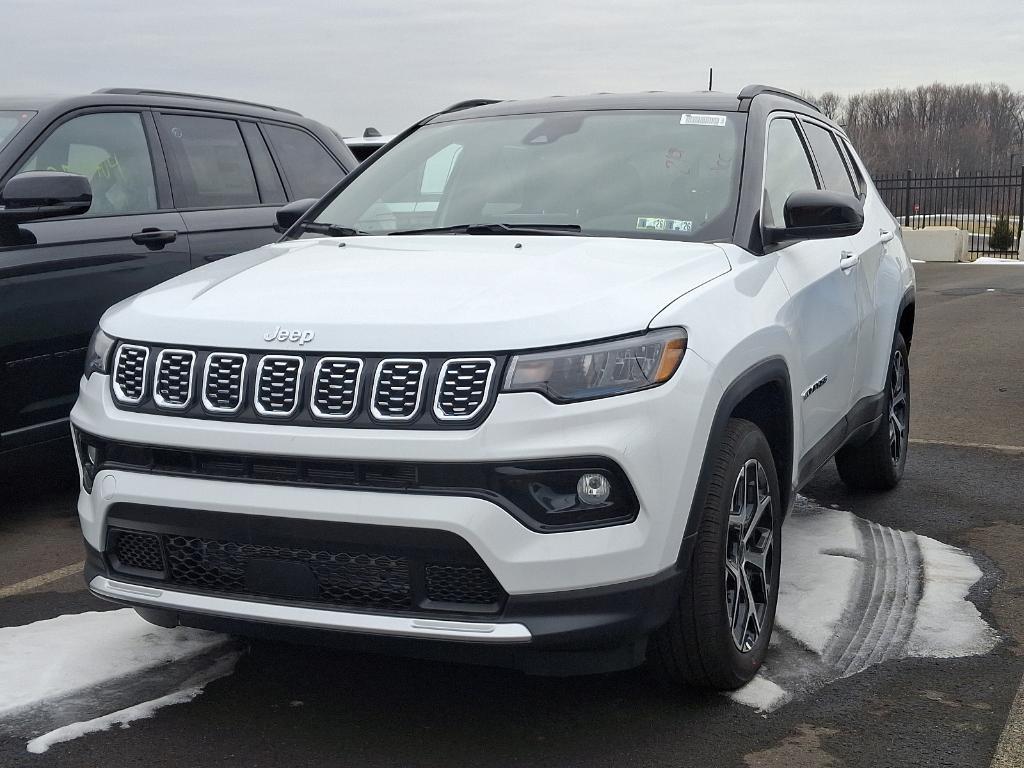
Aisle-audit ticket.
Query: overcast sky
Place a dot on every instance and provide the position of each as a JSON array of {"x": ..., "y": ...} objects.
[{"x": 387, "y": 63}]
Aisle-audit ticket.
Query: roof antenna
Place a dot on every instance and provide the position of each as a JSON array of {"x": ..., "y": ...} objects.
[{"x": 711, "y": 77}]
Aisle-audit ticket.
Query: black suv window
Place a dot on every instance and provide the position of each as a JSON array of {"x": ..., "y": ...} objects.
[
  {"x": 830, "y": 162},
  {"x": 787, "y": 170},
  {"x": 111, "y": 151},
  {"x": 209, "y": 165},
  {"x": 309, "y": 168}
]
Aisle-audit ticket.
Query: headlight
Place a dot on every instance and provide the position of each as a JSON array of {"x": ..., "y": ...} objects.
[
  {"x": 599, "y": 370},
  {"x": 97, "y": 359}
]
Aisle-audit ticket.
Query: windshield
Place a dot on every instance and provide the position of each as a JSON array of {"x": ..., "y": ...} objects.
[
  {"x": 656, "y": 174},
  {"x": 11, "y": 121}
]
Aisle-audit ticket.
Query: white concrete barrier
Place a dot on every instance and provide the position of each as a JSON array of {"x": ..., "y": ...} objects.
[{"x": 938, "y": 244}]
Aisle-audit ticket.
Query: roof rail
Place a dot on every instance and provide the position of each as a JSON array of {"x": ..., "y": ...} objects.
[
  {"x": 183, "y": 94},
  {"x": 468, "y": 104},
  {"x": 750, "y": 91}
]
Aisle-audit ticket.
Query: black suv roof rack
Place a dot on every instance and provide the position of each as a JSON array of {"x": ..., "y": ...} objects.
[
  {"x": 183, "y": 94},
  {"x": 750, "y": 91},
  {"x": 468, "y": 104}
]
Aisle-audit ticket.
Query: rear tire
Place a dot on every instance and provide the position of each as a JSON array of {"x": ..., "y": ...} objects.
[
  {"x": 878, "y": 464},
  {"x": 718, "y": 633}
]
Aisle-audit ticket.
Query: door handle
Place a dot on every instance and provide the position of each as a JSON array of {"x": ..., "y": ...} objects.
[
  {"x": 848, "y": 260},
  {"x": 154, "y": 238},
  {"x": 886, "y": 235}
]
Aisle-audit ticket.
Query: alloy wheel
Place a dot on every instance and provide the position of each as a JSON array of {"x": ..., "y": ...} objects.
[
  {"x": 749, "y": 555},
  {"x": 898, "y": 408}
]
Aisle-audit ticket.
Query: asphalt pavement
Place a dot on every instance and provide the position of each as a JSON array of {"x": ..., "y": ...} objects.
[{"x": 296, "y": 706}]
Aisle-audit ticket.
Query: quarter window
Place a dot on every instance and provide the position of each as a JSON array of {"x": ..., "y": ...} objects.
[
  {"x": 111, "y": 151},
  {"x": 310, "y": 169},
  {"x": 209, "y": 165},
  {"x": 830, "y": 162},
  {"x": 787, "y": 170}
]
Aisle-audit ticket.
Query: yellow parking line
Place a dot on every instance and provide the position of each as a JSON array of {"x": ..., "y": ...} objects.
[
  {"x": 39, "y": 581},
  {"x": 1010, "y": 750},
  {"x": 951, "y": 444}
]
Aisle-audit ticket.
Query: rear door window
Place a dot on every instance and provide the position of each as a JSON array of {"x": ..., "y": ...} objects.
[
  {"x": 309, "y": 168},
  {"x": 108, "y": 148},
  {"x": 267, "y": 177},
  {"x": 208, "y": 161}
]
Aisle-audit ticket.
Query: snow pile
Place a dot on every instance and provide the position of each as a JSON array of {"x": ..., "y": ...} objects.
[
  {"x": 51, "y": 659},
  {"x": 123, "y": 717},
  {"x": 853, "y": 594},
  {"x": 56, "y": 672},
  {"x": 994, "y": 260}
]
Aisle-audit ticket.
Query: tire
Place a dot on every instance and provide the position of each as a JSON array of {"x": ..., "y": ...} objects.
[
  {"x": 878, "y": 463},
  {"x": 703, "y": 644}
]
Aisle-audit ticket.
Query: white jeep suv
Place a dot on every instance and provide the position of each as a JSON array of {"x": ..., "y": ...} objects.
[{"x": 536, "y": 386}]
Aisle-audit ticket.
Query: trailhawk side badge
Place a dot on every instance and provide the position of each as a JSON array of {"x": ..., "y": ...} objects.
[{"x": 283, "y": 334}]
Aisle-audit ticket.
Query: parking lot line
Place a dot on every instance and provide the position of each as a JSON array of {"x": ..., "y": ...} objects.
[
  {"x": 39, "y": 581},
  {"x": 1010, "y": 749},
  {"x": 953, "y": 444}
]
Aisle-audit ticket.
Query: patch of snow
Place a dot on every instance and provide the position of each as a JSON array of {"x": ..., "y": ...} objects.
[
  {"x": 128, "y": 715},
  {"x": 761, "y": 694},
  {"x": 917, "y": 261},
  {"x": 51, "y": 659},
  {"x": 854, "y": 594},
  {"x": 947, "y": 624},
  {"x": 816, "y": 583},
  {"x": 993, "y": 260}
]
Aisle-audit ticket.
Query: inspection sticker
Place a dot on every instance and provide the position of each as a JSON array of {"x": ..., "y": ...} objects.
[
  {"x": 664, "y": 225},
  {"x": 718, "y": 121}
]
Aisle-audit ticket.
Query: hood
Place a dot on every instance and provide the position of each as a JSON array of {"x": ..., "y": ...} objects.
[{"x": 425, "y": 293}]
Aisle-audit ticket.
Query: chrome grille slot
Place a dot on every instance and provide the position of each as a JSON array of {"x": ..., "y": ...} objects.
[
  {"x": 397, "y": 389},
  {"x": 277, "y": 385},
  {"x": 224, "y": 378},
  {"x": 174, "y": 374},
  {"x": 336, "y": 383},
  {"x": 462, "y": 388},
  {"x": 129, "y": 381}
]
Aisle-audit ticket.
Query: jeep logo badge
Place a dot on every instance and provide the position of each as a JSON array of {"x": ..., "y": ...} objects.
[{"x": 283, "y": 334}]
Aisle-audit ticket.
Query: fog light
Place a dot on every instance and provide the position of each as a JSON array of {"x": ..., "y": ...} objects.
[{"x": 593, "y": 488}]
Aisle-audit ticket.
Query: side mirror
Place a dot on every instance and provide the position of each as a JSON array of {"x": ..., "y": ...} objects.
[
  {"x": 38, "y": 195},
  {"x": 815, "y": 214},
  {"x": 292, "y": 212}
]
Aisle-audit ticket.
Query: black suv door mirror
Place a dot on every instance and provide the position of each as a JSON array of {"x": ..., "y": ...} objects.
[
  {"x": 815, "y": 214},
  {"x": 292, "y": 212},
  {"x": 38, "y": 195}
]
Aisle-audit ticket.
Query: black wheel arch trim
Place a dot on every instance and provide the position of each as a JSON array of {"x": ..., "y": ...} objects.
[{"x": 772, "y": 370}]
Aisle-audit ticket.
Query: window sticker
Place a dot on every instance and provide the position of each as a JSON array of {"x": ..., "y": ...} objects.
[
  {"x": 716, "y": 121},
  {"x": 663, "y": 225}
]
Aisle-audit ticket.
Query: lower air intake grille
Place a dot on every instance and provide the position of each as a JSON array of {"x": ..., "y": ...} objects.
[
  {"x": 397, "y": 388},
  {"x": 222, "y": 388},
  {"x": 139, "y": 551},
  {"x": 277, "y": 385},
  {"x": 461, "y": 584},
  {"x": 462, "y": 388},
  {"x": 349, "y": 579},
  {"x": 130, "y": 373},
  {"x": 174, "y": 369}
]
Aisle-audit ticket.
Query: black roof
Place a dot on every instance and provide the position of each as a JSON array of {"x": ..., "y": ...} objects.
[
  {"x": 711, "y": 101},
  {"x": 146, "y": 97}
]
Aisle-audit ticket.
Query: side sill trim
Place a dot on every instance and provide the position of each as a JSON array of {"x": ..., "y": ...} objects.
[{"x": 399, "y": 626}]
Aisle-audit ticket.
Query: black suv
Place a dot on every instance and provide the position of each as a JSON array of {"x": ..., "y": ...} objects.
[{"x": 108, "y": 194}]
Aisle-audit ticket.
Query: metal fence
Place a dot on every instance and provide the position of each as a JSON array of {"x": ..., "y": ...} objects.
[{"x": 972, "y": 202}]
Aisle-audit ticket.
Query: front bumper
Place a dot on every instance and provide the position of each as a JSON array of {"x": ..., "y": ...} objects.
[{"x": 565, "y": 587}]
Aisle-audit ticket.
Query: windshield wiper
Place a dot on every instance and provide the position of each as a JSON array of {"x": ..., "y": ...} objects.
[
  {"x": 331, "y": 230},
  {"x": 494, "y": 229}
]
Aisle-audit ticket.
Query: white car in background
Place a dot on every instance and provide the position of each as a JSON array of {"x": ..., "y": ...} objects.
[{"x": 537, "y": 384}]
